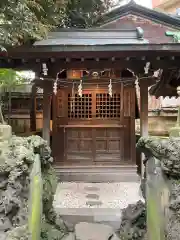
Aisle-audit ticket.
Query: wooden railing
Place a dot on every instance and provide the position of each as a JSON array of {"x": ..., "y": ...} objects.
[{"x": 157, "y": 200}]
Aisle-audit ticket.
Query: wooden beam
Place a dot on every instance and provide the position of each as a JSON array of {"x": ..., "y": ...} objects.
[
  {"x": 33, "y": 109},
  {"x": 143, "y": 115},
  {"x": 47, "y": 90},
  {"x": 136, "y": 64}
]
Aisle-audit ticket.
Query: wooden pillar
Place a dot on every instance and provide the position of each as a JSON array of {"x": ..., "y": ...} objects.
[
  {"x": 47, "y": 90},
  {"x": 55, "y": 146},
  {"x": 143, "y": 115},
  {"x": 133, "y": 131},
  {"x": 122, "y": 131},
  {"x": 33, "y": 109}
]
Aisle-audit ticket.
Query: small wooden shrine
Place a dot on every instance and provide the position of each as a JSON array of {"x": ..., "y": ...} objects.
[{"x": 89, "y": 79}]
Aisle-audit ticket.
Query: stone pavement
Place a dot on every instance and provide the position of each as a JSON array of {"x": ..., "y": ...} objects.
[
  {"x": 92, "y": 231},
  {"x": 95, "y": 202}
]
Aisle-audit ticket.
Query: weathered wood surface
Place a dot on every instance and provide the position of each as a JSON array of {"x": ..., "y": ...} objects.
[
  {"x": 157, "y": 200},
  {"x": 143, "y": 116},
  {"x": 35, "y": 200}
]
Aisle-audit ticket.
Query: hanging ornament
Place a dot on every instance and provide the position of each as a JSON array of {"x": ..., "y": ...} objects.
[
  {"x": 44, "y": 69},
  {"x": 55, "y": 88},
  {"x": 146, "y": 68},
  {"x": 55, "y": 85},
  {"x": 110, "y": 88},
  {"x": 80, "y": 89},
  {"x": 158, "y": 73},
  {"x": 73, "y": 99}
]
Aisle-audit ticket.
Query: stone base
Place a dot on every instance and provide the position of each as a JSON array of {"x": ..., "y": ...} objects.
[
  {"x": 111, "y": 217},
  {"x": 174, "y": 132},
  {"x": 5, "y": 133},
  {"x": 97, "y": 174},
  {"x": 87, "y": 231}
]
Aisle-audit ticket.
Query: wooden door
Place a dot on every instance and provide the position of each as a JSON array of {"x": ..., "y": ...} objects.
[
  {"x": 108, "y": 145},
  {"x": 79, "y": 145},
  {"x": 94, "y": 130}
]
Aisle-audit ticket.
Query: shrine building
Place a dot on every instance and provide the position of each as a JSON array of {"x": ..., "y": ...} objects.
[{"x": 89, "y": 79}]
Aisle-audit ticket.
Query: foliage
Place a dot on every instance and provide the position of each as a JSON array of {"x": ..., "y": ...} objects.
[
  {"x": 22, "y": 20},
  {"x": 81, "y": 14},
  {"x": 9, "y": 78}
]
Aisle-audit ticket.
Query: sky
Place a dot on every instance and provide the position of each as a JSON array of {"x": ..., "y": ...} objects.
[{"x": 145, "y": 3}]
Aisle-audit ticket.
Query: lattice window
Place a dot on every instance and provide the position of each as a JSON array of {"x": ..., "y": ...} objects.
[
  {"x": 80, "y": 107},
  {"x": 106, "y": 106}
]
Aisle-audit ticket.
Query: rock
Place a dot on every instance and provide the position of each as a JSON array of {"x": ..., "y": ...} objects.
[
  {"x": 5, "y": 223},
  {"x": 70, "y": 236},
  {"x": 115, "y": 237},
  {"x": 16, "y": 160},
  {"x": 3, "y": 236},
  {"x": 50, "y": 231},
  {"x": 93, "y": 231},
  {"x": 133, "y": 225},
  {"x": 167, "y": 151}
]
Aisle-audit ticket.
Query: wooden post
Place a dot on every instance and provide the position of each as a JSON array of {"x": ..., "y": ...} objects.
[
  {"x": 46, "y": 112},
  {"x": 143, "y": 115},
  {"x": 133, "y": 132},
  {"x": 33, "y": 109},
  {"x": 54, "y": 126},
  {"x": 157, "y": 200},
  {"x": 122, "y": 133}
]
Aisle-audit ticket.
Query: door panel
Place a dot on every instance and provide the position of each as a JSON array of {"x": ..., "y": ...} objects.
[{"x": 79, "y": 144}]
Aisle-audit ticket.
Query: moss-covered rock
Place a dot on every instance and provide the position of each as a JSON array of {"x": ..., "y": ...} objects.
[
  {"x": 133, "y": 225},
  {"x": 16, "y": 161},
  {"x": 168, "y": 152}
]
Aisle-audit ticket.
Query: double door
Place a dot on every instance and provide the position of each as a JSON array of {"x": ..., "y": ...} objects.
[{"x": 95, "y": 128}]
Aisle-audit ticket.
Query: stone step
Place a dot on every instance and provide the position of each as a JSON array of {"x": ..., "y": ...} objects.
[
  {"x": 94, "y": 202},
  {"x": 127, "y": 173},
  {"x": 73, "y": 216}
]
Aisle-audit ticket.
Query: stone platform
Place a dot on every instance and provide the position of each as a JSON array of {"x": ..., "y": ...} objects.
[
  {"x": 97, "y": 173},
  {"x": 95, "y": 202}
]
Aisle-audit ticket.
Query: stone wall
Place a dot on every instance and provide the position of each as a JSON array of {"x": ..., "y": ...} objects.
[{"x": 159, "y": 125}]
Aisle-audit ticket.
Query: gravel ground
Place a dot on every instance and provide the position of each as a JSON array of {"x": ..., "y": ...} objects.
[{"x": 96, "y": 195}]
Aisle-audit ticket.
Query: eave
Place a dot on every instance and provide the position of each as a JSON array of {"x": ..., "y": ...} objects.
[{"x": 170, "y": 49}]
